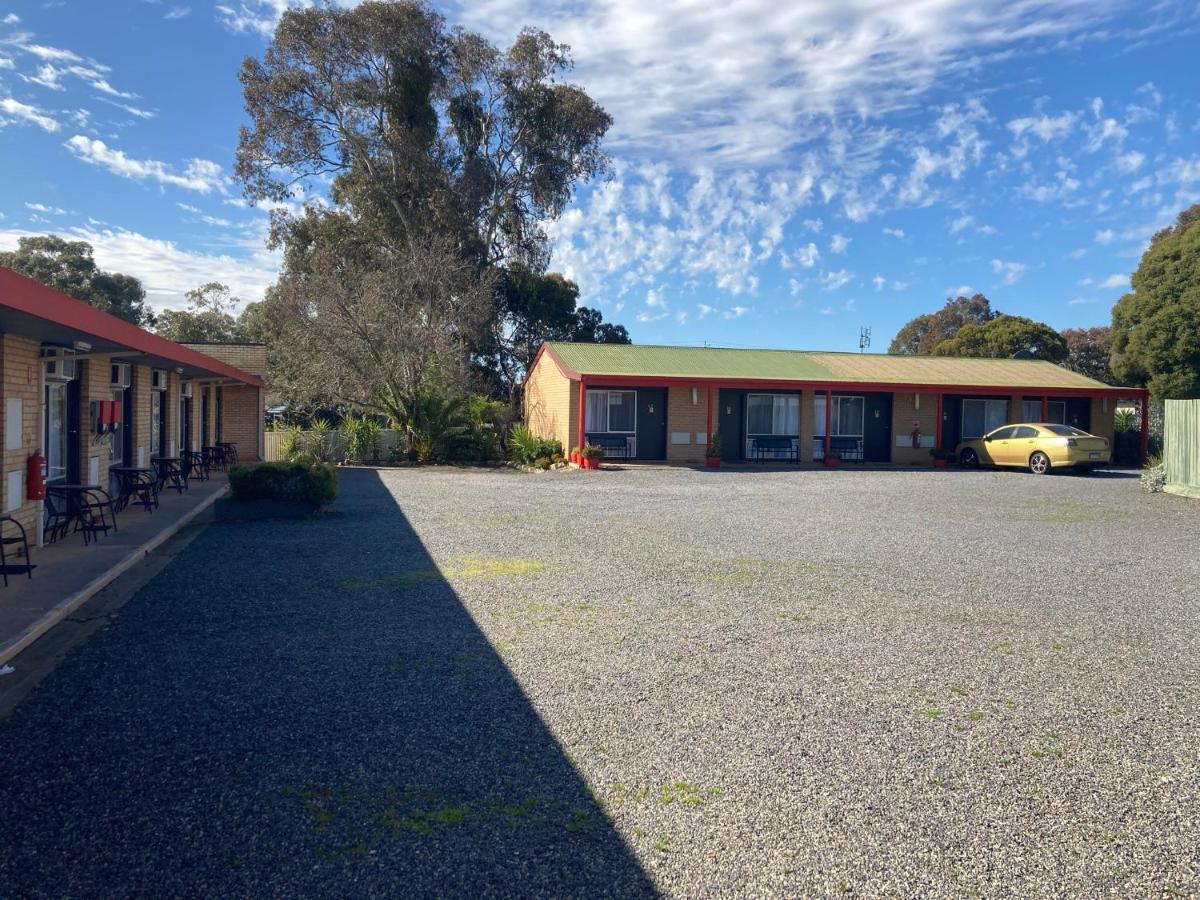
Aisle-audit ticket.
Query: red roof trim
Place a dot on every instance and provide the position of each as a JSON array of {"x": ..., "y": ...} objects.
[
  {"x": 882, "y": 387},
  {"x": 35, "y": 299}
]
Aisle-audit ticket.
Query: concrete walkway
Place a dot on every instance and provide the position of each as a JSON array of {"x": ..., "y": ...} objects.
[{"x": 68, "y": 573}]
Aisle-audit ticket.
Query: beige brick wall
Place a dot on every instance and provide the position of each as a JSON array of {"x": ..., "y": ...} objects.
[
  {"x": 904, "y": 414},
  {"x": 551, "y": 403},
  {"x": 22, "y": 380},
  {"x": 95, "y": 383},
  {"x": 250, "y": 358},
  {"x": 685, "y": 416},
  {"x": 242, "y": 420},
  {"x": 194, "y": 419},
  {"x": 1103, "y": 415},
  {"x": 141, "y": 416}
]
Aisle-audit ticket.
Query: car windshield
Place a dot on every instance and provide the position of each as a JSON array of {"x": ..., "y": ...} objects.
[{"x": 1064, "y": 430}]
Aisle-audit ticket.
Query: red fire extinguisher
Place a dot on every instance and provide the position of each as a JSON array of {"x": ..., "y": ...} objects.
[{"x": 35, "y": 477}]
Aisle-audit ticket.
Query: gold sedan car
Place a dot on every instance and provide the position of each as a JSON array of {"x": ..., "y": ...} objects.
[{"x": 1036, "y": 447}]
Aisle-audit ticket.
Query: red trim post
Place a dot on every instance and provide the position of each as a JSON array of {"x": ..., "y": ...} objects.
[
  {"x": 1145, "y": 404},
  {"x": 582, "y": 412},
  {"x": 937, "y": 432},
  {"x": 1045, "y": 408},
  {"x": 828, "y": 422},
  {"x": 708, "y": 399}
]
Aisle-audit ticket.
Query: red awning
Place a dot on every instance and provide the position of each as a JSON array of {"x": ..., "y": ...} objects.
[{"x": 30, "y": 309}]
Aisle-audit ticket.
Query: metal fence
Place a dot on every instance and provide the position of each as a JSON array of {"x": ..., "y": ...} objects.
[{"x": 1181, "y": 447}]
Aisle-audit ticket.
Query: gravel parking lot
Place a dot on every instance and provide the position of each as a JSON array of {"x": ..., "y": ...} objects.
[{"x": 638, "y": 681}]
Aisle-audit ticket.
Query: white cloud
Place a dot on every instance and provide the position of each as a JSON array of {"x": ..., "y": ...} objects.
[
  {"x": 12, "y": 19},
  {"x": 655, "y": 299},
  {"x": 960, "y": 223},
  {"x": 735, "y": 312},
  {"x": 838, "y": 243},
  {"x": 1131, "y": 161},
  {"x": 177, "y": 12},
  {"x": 1115, "y": 281},
  {"x": 166, "y": 270},
  {"x": 814, "y": 225},
  {"x": 200, "y": 175},
  {"x": 1104, "y": 131},
  {"x": 832, "y": 281},
  {"x": 879, "y": 281},
  {"x": 894, "y": 232},
  {"x": 808, "y": 255},
  {"x": 7, "y": 63},
  {"x": 1105, "y": 236},
  {"x": 43, "y": 208},
  {"x": 705, "y": 310},
  {"x": 1078, "y": 253},
  {"x": 27, "y": 113},
  {"x": 1012, "y": 271},
  {"x": 41, "y": 51},
  {"x": 1045, "y": 128},
  {"x": 795, "y": 287},
  {"x": 899, "y": 285}
]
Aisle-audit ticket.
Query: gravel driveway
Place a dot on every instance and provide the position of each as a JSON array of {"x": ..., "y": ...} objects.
[{"x": 635, "y": 681}]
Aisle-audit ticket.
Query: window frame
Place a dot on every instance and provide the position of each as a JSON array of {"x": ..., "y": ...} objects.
[
  {"x": 962, "y": 417},
  {"x": 1049, "y": 419},
  {"x": 64, "y": 437},
  {"x": 608, "y": 410},
  {"x": 835, "y": 416}
]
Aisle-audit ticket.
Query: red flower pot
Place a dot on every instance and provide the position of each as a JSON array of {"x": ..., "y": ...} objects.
[
  {"x": 941, "y": 463},
  {"x": 832, "y": 462},
  {"x": 713, "y": 462},
  {"x": 590, "y": 463},
  {"x": 575, "y": 457}
]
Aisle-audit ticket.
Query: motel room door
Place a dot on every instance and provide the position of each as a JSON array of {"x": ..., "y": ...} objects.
[
  {"x": 877, "y": 428},
  {"x": 651, "y": 423}
]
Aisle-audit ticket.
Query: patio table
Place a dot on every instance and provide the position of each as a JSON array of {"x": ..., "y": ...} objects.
[{"x": 85, "y": 504}]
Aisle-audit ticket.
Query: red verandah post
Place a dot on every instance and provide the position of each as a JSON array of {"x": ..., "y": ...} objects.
[
  {"x": 1045, "y": 409},
  {"x": 937, "y": 432},
  {"x": 582, "y": 413},
  {"x": 1145, "y": 426},
  {"x": 708, "y": 398},
  {"x": 828, "y": 422}
]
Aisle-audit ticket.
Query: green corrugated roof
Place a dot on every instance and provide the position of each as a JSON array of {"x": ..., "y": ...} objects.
[{"x": 721, "y": 363}]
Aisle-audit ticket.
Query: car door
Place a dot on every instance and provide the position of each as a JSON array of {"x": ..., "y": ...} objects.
[
  {"x": 1024, "y": 441},
  {"x": 998, "y": 445}
]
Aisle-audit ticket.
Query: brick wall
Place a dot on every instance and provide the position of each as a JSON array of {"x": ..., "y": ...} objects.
[
  {"x": 1103, "y": 414},
  {"x": 95, "y": 383},
  {"x": 250, "y": 358},
  {"x": 551, "y": 403},
  {"x": 141, "y": 416},
  {"x": 684, "y": 416},
  {"x": 19, "y": 358},
  {"x": 172, "y": 415},
  {"x": 194, "y": 419},
  {"x": 904, "y": 413},
  {"x": 241, "y": 420}
]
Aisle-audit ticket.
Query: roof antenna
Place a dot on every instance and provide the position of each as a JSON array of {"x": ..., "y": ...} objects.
[{"x": 864, "y": 338}]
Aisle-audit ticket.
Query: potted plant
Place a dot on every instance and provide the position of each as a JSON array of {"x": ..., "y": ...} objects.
[
  {"x": 590, "y": 456},
  {"x": 575, "y": 457},
  {"x": 712, "y": 456},
  {"x": 941, "y": 458},
  {"x": 832, "y": 460}
]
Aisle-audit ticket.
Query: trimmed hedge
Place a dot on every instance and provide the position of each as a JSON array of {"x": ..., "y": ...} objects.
[{"x": 316, "y": 484}]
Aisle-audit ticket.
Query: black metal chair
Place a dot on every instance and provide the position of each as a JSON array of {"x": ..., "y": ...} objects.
[
  {"x": 20, "y": 538},
  {"x": 768, "y": 448},
  {"x": 194, "y": 464},
  {"x": 170, "y": 473}
]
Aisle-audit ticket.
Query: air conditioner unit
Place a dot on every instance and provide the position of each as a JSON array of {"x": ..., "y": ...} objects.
[
  {"x": 186, "y": 389},
  {"x": 158, "y": 379},
  {"x": 60, "y": 366},
  {"x": 120, "y": 375}
]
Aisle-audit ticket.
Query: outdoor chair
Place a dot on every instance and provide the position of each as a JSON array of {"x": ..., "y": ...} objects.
[
  {"x": 848, "y": 449},
  {"x": 170, "y": 474},
  {"x": 12, "y": 540},
  {"x": 195, "y": 465}
]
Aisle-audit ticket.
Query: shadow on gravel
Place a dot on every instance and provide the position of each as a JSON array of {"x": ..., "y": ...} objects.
[{"x": 297, "y": 708}]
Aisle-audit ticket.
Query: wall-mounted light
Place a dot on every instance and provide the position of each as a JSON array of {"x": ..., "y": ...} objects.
[
  {"x": 650, "y": 408},
  {"x": 1104, "y": 404},
  {"x": 695, "y": 396},
  {"x": 916, "y": 401},
  {"x": 729, "y": 410}
]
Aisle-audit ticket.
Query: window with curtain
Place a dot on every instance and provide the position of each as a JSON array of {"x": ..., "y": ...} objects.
[
  {"x": 116, "y": 444},
  {"x": 156, "y": 419},
  {"x": 981, "y": 416},
  {"x": 610, "y": 412},
  {"x": 845, "y": 420},
  {"x": 1056, "y": 411},
  {"x": 773, "y": 414},
  {"x": 57, "y": 438}
]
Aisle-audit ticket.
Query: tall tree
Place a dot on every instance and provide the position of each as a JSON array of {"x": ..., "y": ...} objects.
[
  {"x": 68, "y": 266},
  {"x": 1156, "y": 326},
  {"x": 209, "y": 316},
  {"x": 1005, "y": 337},
  {"x": 427, "y": 138},
  {"x": 535, "y": 308},
  {"x": 919, "y": 336},
  {"x": 1089, "y": 351}
]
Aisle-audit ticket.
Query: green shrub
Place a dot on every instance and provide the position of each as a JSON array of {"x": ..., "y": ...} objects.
[
  {"x": 316, "y": 484},
  {"x": 361, "y": 436},
  {"x": 290, "y": 447},
  {"x": 525, "y": 448},
  {"x": 320, "y": 441}
]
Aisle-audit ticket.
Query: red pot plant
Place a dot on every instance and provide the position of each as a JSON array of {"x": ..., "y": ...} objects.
[
  {"x": 590, "y": 456},
  {"x": 832, "y": 460},
  {"x": 941, "y": 458},
  {"x": 576, "y": 456},
  {"x": 712, "y": 456}
]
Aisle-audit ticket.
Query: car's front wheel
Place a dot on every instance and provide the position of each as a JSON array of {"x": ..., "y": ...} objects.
[
  {"x": 1039, "y": 463},
  {"x": 969, "y": 458}
]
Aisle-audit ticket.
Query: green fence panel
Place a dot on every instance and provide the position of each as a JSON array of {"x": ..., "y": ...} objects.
[{"x": 1181, "y": 447}]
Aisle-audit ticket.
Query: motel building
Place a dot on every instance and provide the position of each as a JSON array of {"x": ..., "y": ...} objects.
[
  {"x": 661, "y": 403},
  {"x": 84, "y": 391}
]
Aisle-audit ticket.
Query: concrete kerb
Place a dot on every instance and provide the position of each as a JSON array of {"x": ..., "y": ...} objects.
[{"x": 73, "y": 601}]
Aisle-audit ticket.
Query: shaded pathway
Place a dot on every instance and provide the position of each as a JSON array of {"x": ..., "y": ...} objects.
[{"x": 265, "y": 717}]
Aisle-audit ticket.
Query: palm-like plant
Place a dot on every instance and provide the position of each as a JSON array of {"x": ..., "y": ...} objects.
[{"x": 438, "y": 424}]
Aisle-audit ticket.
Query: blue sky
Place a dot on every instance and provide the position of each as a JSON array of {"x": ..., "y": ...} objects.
[{"x": 782, "y": 176}]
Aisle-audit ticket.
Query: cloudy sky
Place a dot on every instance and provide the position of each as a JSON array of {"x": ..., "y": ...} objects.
[{"x": 784, "y": 173}]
